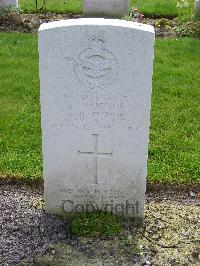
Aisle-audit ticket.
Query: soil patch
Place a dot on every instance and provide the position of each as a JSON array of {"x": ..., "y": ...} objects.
[{"x": 165, "y": 28}]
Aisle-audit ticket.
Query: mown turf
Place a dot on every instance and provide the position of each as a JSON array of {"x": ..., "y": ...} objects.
[
  {"x": 20, "y": 136},
  {"x": 57, "y": 6},
  {"x": 174, "y": 152},
  {"x": 148, "y": 7},
  {"x": 168, "y": 8}
]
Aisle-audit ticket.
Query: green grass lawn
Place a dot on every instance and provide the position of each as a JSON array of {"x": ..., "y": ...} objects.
[
  {"x": 148, "y": 7},
  {"x": 162, "y": 7},
  {"x": 174, "y": 152},
  {"x": 57, "y": 6}
]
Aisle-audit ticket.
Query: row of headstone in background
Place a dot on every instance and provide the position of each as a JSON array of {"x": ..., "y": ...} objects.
[
  {"x": 102, "y": 8},
  {"x": 197, "y": 8},
  {"x": 116, "y": 8},
  {"x": 99, "y": 8},
  {"x": 5, "y": 3}
]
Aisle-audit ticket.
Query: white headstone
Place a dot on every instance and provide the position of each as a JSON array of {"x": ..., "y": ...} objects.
[
  {"x": 197, "y": 8},
  {"x": 96, "y": 79},
  {"x": 5, "y": 3},
  {"x": 105, "y": 8}
]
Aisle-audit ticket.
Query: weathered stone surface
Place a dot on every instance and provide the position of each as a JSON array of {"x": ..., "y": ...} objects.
[
  {"x": 96, "y": 79},
  {"x": 105, "y": 8},
  {"x": 5, "y": 3}
]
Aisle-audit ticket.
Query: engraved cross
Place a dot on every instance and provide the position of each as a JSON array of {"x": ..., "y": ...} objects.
[{"x": 95, "y": 155}]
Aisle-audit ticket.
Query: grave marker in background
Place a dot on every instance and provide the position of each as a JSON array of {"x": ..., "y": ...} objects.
[
  {"x": 6, "y": 3},
  {"x": 105, "y": 8},
  {"x": 197, "y": 8},
  {"x": 96, "y": 79}
]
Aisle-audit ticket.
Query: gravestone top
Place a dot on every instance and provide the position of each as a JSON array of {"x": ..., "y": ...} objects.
[
  {"x": 105, "y": 8},
  {"x": 6, "y": 3},
  {"x": 97, "y": 22},
  {"x": 95, "y": 92}
]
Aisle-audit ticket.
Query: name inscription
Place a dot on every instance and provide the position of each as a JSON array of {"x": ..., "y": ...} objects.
[{"x": 87, "y": 111}]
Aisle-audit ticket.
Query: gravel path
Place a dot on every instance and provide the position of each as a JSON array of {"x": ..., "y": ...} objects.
[
  {"x": 28, "y": 233},
  {"x": 25, "y": 228}
]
